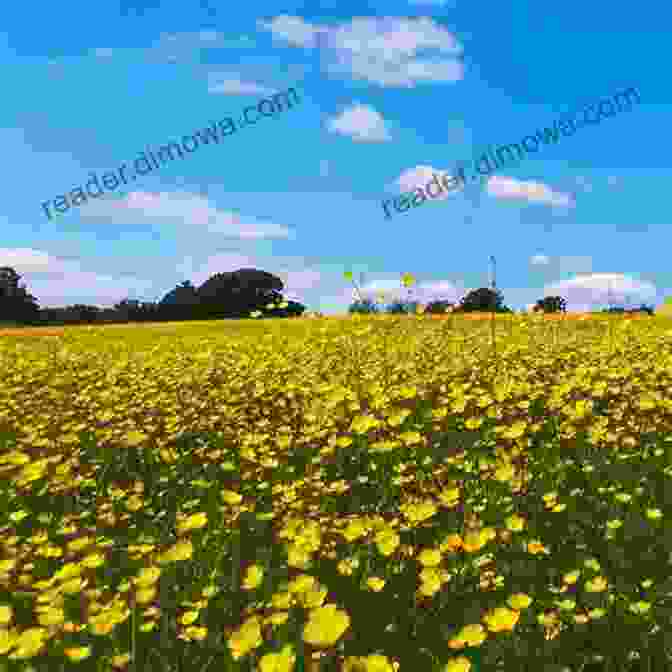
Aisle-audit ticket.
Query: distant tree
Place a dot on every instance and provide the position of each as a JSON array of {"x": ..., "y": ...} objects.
[
  {"x": 400, "y": 307},
  {"x": 239, "y": 293},
  {"x": 82, "y": 313},
  {"x": 483, "y": 299},
  {"x": 293, "y": 309},
  {"x": 16, "y": 303},
  {"x": 438, "y": 306},
  {"x": 364, "y": 306},
  {"x": 132, "y": 310},
  {"x": 9, "y": 281},
  {"x": 180, "y": 303},
  {"x": 551, "y": 304},
  {"x": 184, "y": 293}
]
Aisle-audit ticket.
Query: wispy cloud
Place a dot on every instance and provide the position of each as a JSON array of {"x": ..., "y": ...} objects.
[
  {"x": 535, "y": 192},
  {"x": 381, "y": 50},
  {"x": 183, "y": 209},
  {"x": 438, "y": 3},
  {"x": 360, "y": 122},
  {"x": 584, "y": 292},
  {"x": 58, "y": 282},
  {"x": 419, "y": 176},
  {"x": 233, "y": 85}
]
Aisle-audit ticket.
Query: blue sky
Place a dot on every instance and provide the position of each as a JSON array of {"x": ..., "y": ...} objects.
[{"x": 390, "y": 92}]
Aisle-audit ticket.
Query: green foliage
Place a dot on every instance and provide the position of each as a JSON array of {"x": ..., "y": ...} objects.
[
  {"x": 438, "y": 307},
  {"x": 16, "y": 304},
  {"x": 483, "y": 299},
  {"x": 551, "y": 304},
  {"x": 364, "y": 307}
]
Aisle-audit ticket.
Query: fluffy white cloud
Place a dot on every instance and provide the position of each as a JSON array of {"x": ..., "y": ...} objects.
[
  {"x": 300, "y": 280},
  {"x": 292, "y": 29},
  {"x": 585, "y": 292},
  {"x": 360, "y": 122},
  {"x": 232, "y": 85},
  {"x": 60, "y": 282},
  {"x": 381, "y": 50},
  {"x": 419, "y": 176},
  {"x": 181, "y": 208},
  {"x": 536, "y": 192}
]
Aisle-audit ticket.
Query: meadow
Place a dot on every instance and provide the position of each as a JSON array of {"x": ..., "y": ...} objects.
[{"x": 366, "y": 494}]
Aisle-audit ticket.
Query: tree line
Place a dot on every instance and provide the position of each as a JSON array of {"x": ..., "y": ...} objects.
[
  {"x": 483, "y": 299},
  {"x": 235, "y": 294}
]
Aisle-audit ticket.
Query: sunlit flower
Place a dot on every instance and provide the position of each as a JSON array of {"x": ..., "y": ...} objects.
[
  {"x": 387, "y": 541},
  {"x": 29, "y": 643},
  {"x": 519, "y": 601},
  {"x": 193, "y": 522},
  {"x": 460, "y": 664},
  {"x": 77, "y": 653},
  {"x": 246, "y": 638},
  {"x": 470, "y": 635},
  {"x": 515, "y": 523},
  {"x": 189, "y": 617},
  {"x": 145, "y": 595},
  {"x": 121, "y": 660},
  {"x": 536, "y": 547},
  {"x": 429, "y": 557},
  {"x": 147, "y": 577},
  {"x": 253, "y": 577},
  {"x": 278, "y": 618},
  {"x": 325, "y": 625},
  {"x": 598, "y": 585},
  {"x": 453, "y": 542},
  {"x": 231, "y": 497},
  {"x": 283, "y": 661},
  {"x": 372, "y": 663},
  {"x": 571, "y": 577},
  {"x": 375, "y": 583},
  {"x": 501, "y": 619},
  {"x": 640, "y": 607},
  {"x": 6, "y": 614}
]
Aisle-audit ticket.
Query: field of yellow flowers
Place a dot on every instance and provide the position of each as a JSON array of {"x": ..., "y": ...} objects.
[{"x": 367, "y": 494}]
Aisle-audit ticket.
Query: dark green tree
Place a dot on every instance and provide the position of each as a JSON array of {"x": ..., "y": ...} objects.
[
  {"x": 364, "y": 306},
  {"x": 82, "y": 313},
  {"x": 483, "y": 299},
  {"x": 239, "y": 293},
  {"x": 551, "y": 304},
  {"x": 180, "y": 303},
  {"x": 400, "y": 307},
  {"x": 293, "y": 309},
  {"x": 132, "y": 310},
  {"x": 439, "y": 306},
  {"x": 16, "y": 303}
]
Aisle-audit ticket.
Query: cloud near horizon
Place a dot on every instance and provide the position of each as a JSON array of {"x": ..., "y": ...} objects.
[
  {"x": 534, "y": 192},
  {"x": 183, "y": 209}
]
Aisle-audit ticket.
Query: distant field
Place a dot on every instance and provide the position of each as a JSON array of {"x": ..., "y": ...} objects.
[{"x": 395, "y": 493}]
